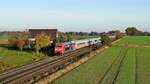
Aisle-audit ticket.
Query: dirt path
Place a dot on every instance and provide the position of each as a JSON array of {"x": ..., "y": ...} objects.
[{"x": 134, "y": 46}]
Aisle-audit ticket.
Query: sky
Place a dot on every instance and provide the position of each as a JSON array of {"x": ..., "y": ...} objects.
[{"x": 75, "y": 15}]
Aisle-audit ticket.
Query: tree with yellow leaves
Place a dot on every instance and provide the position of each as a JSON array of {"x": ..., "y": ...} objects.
[{"x": 41, "y": 40}]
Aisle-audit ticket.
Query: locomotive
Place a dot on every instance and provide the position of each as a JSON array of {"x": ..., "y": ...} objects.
[{"x": 65, "y": 47}]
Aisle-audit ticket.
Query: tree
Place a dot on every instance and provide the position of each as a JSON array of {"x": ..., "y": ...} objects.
[
  {"x": 42, "y": 40},
  {"x": 13, "y": 40},
  {"x": 119, "y": 35},
  {"x": 26, "y": 35},
  {"x": 21, "y": 44},
  {"x": 146, "y": 33},
  {"x": 19, "y": 39},
  {"x": 106, "y": 40},
  {"x": 131, "y": 31}
]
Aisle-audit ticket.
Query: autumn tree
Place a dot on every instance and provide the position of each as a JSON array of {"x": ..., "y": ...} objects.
[
  {"x": 21, "y": 44},
  {"x": 41, "y": 40},
  {"x": 19, "y": 39},
  {"x": 13, "y": 40}
]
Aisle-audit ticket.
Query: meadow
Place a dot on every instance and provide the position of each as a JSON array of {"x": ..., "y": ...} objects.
[{"x": 134, "y": 69}]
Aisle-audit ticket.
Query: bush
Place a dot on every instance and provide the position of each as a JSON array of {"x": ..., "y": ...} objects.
[
  {"x": 106, "y": 40},
  {"x": 120, "y": 35}
]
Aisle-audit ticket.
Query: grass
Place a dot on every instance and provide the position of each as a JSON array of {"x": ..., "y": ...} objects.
[
  {"x": 134, "y": 69},
  {"x": 114, "y": 69},
  {"x": 143, "y": 67},
  {"x": 14, "y": 58},
  {"x": 128, "y": 69},
  {"x": 129, "y": 73}
]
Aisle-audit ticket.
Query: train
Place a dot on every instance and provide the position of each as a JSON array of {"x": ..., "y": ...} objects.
[{"x": 62, "y": 48}]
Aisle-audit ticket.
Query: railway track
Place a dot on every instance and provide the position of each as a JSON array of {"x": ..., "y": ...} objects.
[
  {"x": 112, "y": 72},
  {"x": 117, "y": 71},
  {"x": 33, "y": 72}
]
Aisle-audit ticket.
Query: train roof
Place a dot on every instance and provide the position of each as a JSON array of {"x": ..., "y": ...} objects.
[{"x": 84, "y": 40}]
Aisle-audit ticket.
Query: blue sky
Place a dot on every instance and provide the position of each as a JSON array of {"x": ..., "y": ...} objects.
[{"x": 75, "y": 15}]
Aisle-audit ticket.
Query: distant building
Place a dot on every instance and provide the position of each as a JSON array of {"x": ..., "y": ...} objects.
[{"x": 53, "y": 33}]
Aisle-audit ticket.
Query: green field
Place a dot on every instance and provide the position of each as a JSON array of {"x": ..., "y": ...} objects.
[
  {"x": 13, "y": 58},
  {"x": 134, "y": 69}
]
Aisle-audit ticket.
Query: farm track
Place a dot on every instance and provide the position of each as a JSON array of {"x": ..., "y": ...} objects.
[
  {"x": 38, "y": 68},
  {"x": 136, "y": 67},
  {"x": 119, "y": 67},
  {"x": 133, "y": 46},
  {"x": 110, "y": 76}
]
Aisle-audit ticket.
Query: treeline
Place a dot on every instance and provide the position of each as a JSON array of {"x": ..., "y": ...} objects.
[
  {"x": 113, "y": 32},
  {"x": 69, "y": 36},
  {"x": 106, "y": 37},
  {"x": 133, "y": 31},
  {"x": 22, "y": 40}
]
